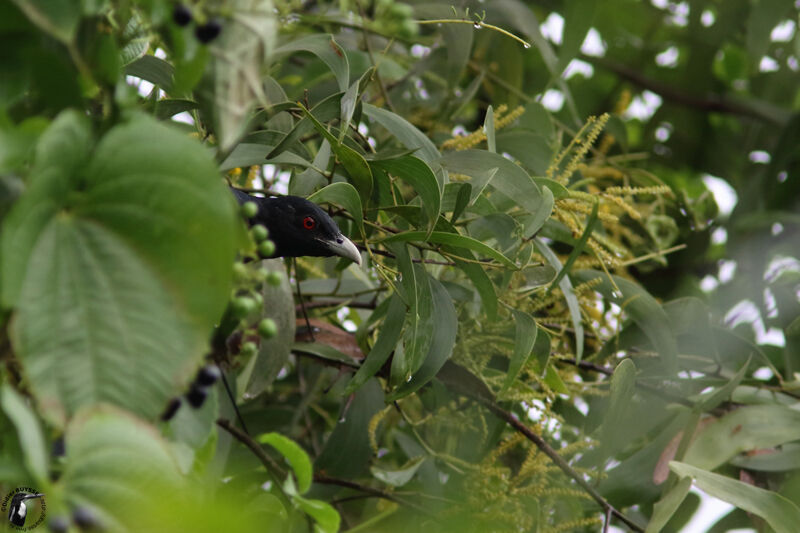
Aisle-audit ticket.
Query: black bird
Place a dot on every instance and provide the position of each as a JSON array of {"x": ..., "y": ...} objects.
[
  {"x": 299, "y": 227},
  {"x": 18, "y": 510}
]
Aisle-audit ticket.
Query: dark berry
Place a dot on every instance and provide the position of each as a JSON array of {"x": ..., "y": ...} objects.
[
  {"x": 58, "y": 524},
  {"x": 208, "y": 375},
  {"x": 208, "y": 31},
  {"x": 196, "y": 396},
  {"x": 182, "y": 15},
  {"x": 172, "y": 408},
  {"x": 84, "y": 518},
  {"x": 58, "y": 447}
]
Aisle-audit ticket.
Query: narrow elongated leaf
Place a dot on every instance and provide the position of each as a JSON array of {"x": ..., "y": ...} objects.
[
  {"x": 388, "y": 337},
  {"x": 441, "y": 347},
  {"x": 294, "y": 455},
  {"x": 643, "y": 310},
  {"x": 781, "y": 514},
  {"x": 623, "y": 386},
  {"x": 405, "y": 132},
  {"x": 477, "y": 275},
  {"x": 345, "y": 195},
  {"x": 572, "y": 301},
  {"x": 748, "y": 428},
  {"x": 153, "y": 69},
  {"x": 327, "y": 49},
  {"x": 488, "y": 128},
  {"x": 29, "y": 431},
  {"x": 419, "y": 175},
  {"x": 398, "y": 478},
  {"x": 326, "y": 110},
  {"x": 325, "y": 516},
  {"x": 355, "y": 164},
  {"x": 524, "y": 340},
  {"x": 511, "y": 179},
  {"x": 417, "y": 336},
  {"x": 668, "y": 504},
  {"x": 59, "y": 19},
  {"x": 452, "y": 239}
]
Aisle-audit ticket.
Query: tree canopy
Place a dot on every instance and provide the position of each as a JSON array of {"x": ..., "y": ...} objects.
[{"x": 579, "y": 290}]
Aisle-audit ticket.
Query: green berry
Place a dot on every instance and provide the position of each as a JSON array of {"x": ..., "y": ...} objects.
[
  {"x": 274, "y": 278},
  {"x": 266, "y": 249},
  {"x": 240, "y": 272},
  {"x": 267, "y": 328},
  {"x": 263, "y": 273},
  {"x": 249, "y": 348},
  {"x": 401, "y": 11},
  {"x": 243, "y": 306},
  {"x": 259, "y": 232},
  {"x": 249, "y": 209},
  {"x": 258, "y": 299}
]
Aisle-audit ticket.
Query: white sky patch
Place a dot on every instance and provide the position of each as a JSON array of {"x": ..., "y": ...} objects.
[
  {"x": 759, "y": 156},
  {"x": 660, "y": 4},
  {"x": 160, "y": 53},
  {"x": 593, "y": 44},
  {"x": 419, "y": 51},
  {"x": 643, "y": 106},
  {"x": 783, "y": 32},
  {"x": 724, "y": 194},
  {"x": 763, "y": 373},
  {"x": 719, "y": 236},
  {"x": 144, "y": 87},
  {"x": 776, "y": 228},
  {"x": 184, "y": 117},
  {"x": 707, "y": 18},
  {"x": 680, "y": 14},
  {"x": 792, "y": 63},
  {"x": 709, "y": 283},
  {"x": 710, "y": 510},
  {"x": 780, "y": 264},
  {"x": 663, "y": 132},
  {"x": 553, "y": 28},
  {"x": 727, "y": 269},
  {"x": 668, "y": 58},
  {"x": 553, "y": 100},
  {"x": 746, "y": 312},
  {"x": 768, "y": 64},
  {"x": 576, "y": 66}
]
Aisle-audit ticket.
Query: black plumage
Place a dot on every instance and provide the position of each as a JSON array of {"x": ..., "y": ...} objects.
[{"x": 299, "y": 227}]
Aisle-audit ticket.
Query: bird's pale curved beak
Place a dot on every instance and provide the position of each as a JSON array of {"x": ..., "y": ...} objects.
[{"x": 344, "y": 247}]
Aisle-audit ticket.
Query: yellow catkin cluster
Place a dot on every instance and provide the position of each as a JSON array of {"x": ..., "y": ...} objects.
[
  {"x": 582, "y": 207},
  {"x": 578, "y": 147},
  {"x": 622, "y": 204},
  {"x": 573, "y": 525},
  {"x": 466, "y": 142},
  {"x": 372, "y": 427},
  {"x": 626, "y": 191},
  {"x": 601, "y": 172}
]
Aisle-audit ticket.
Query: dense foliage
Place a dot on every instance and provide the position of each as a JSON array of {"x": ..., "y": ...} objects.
[{"x": 554, "y": 327}]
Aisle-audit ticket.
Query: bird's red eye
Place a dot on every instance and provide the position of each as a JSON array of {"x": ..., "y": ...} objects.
[{"x": 309, "y": 223}]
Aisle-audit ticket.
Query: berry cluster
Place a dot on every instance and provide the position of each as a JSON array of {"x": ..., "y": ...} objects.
[{"x": 205, "y": 33}]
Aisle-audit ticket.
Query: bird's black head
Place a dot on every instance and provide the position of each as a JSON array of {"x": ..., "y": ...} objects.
[{"x": 299, "y": 227}]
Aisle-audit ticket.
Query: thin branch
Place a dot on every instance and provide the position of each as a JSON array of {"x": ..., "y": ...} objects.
[
  {"x": 540, "y": 443},
  {"x": 709, "y": 103},
  {"x": 336, "y": 303}
]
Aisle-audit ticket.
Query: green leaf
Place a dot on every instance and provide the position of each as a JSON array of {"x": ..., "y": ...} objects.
[
  {"x": 152, "y": 69},
  {"x": 113, "y": 464},
  {"x": 442, "y": 343},
  {"x": 323, "y": 351},
  {"x": 398, "y": 478},
  {"x": 419, "y": 175},
  {"x": 295, "y": 455},
  {"x": 29, "y": 431},
  {"x": 709, "y": 401},
  {"x": 327, "y": 49},
  {"x": 781, "y": 514},
  {"x": 668, "y": 504},
  {"x": 353, "y": 162},
  {"x": 452, "y": 239},
  {"x": 59, "y": 19},
  {"x": 782, "y": 460},
  {"x": 405, "y": 132},
  {"x": 579, "y": 16},
  {"x": 524, "y": 340},
  {"x": 529, "y": 148},
  {"x": 643, "y": 309},
  {"x": 419, "y": 319},
  {"x": 106, "y": 256},
  {"x": 488, "y": 128},
  {"x": 350, "y": 101},
  {"x": 747, "y": 428},
  {"x": 510, "y": 179},
  {"x": 623, "y": 386},
  {"x": 345, "y": 195},
  {"x": 326, "y": 518},
  {"x": 569, "y": 295},
  {"x": 388, "y": 337}
]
